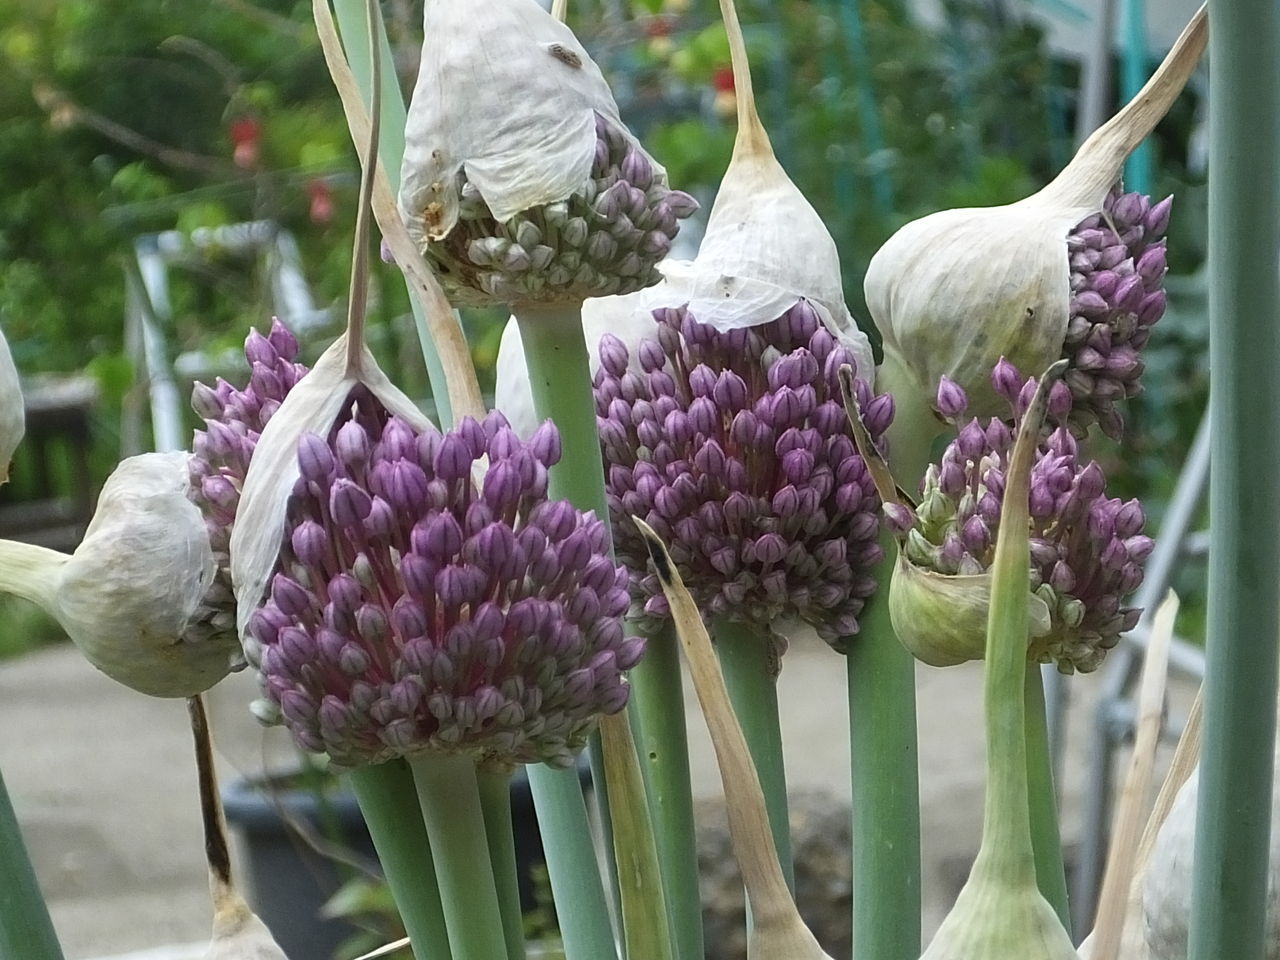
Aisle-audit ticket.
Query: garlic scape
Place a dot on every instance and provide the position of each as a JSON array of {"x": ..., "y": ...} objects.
[
  {"x": 12, "y": 411},
  {"x": 1087, "y": 550},
  {"x": 138, "y": 596},
  {"x": 1075, "y": 271},
  {"x": 1000, "y": 913},
  {"x": 765, "y": 247},
  {"x": 520, "y": 182}
]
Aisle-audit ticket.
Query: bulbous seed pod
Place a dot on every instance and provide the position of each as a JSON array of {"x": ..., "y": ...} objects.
[
  {"x": 412, "y": 609},
  {"x": 12, "y": 410},
  {"x": 133, "y": 596},
  {"x": 1087, "y": 550},
  {"x": 520, "y": 182},
  {"x": 1035, "y": 280},
  {"x": 735, "y": 449},
  {"x": 234, "y": 421}
]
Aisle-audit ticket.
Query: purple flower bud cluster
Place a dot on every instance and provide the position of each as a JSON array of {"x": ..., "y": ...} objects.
[
  {"x": 735, "y": 447},
  {"x": 606, "y": 239},
  {"x": 233, "y": 421},
  {"x": 1118, "y": 263},
  {"x": 1087, "y": 550},
  {"x": 413, "y": 610}
]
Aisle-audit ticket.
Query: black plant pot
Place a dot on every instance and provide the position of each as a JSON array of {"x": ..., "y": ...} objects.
[{"x": 288, "y": 880}]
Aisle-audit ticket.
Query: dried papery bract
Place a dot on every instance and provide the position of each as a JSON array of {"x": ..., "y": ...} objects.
[
  {"x": 238, "y": 933},
  {"x": 765, "y": 247},
  {"x": 954, "y": 291},
  {"x": 1165, "y": 889},
  {"x": 12, "y": 411},
  {"x": 520, "y": 182},
  {"x": 1115, "y": 936},
  {"x": 133, "y": 596},
  {"x": 1000, "y": 913},
  {"x": 778, "y": 930}
]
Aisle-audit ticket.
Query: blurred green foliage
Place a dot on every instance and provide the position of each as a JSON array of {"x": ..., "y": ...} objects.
[{"x": 122, "y": 118}]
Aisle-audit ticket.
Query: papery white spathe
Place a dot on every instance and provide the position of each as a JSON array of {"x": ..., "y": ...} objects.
[
  {"x": 312, "y": 406},
  {"x": 765, "y": 247},
  {"x": 519, "y": 117},
  {"x": 136, "y": 583},
  {"x": 956, "y": 290}
]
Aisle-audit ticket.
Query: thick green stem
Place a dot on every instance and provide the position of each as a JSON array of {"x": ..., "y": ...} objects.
[
  {"x": 495, "y": 802},
  {"x": 389, "y": 801},
  {"x": 1234, "y": 815},
  {"x": 657, "y": 697},
  {"x": 581, "y": 910},
  {"x": 560, "y": 381},
  {"x": 450, "y": 800},
  {"x": 25, "y": 928},
  {"x": 555, "y": 354},
  {"x": 884, "y": 755},
  {"x": 750, "y": 672},
  {"x": 883, "y": 747},
  {"x": 1046, "y": 837}
]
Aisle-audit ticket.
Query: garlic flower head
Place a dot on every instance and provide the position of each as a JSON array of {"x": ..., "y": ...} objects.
[
  {"x": 133, "y": 595},
  {"x": 765, "y": 248},
  {"x": 625, "y": 316},
  {"x": 12, "y": 411},
  {"x": 234, "y": 420},
  {"x": 520, "y": 182},
  {"x": 1039, "y": 279},
  {"x": 733, "y": 446},
  {"x": 413, "y": 610},
  {"x": 1087, "y": 550}
]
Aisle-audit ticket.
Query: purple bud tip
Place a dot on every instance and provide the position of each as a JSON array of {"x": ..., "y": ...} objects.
[
  {"x": 315, "y": 460},
  {"x": 951, "y": 400},
  {"x": 545, "y": 444},
  {"x": 899, "y": 517},
  {"x": 613, "y": 355},
  {"x": 681, "y": 204},
  {"x": 1006, "y": 380},
  {"x": 282, "y": 340},
  {"x": 258, "y": 349},
  {"x": 352, "y": 445},
  {"x": 205, "y": 402},
  {"x": 453, "y": 458},
  {"x": 1059, "y": 400}
]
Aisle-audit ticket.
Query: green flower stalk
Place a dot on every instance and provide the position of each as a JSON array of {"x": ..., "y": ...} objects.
[
  {"x": 1000, "y": 913},
  {"x": 25, "y": 927}
]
